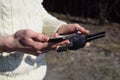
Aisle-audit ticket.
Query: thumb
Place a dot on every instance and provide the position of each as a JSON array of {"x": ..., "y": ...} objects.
[
  {"x": 56, "y": 35},
  {"x": 40, "y": 38},
  {"x": 43, "y": 38}
]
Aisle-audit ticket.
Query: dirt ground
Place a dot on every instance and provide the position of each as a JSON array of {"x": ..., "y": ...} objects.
[{"x": 100, "y": 61}]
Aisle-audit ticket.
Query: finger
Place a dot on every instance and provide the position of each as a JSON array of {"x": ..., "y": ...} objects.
[
  {"x": 34, "y": 35},
  {"x": 54, "y": 45},
  {"x": 39, "y": 46},
  {"x": 87, "y": 44},
  {"x": 63, "y": 42},
  {"x": 31, "y": 43},
  {"x": 40, "y": 37},
  {"x": 81, "y": 29},
  {"x": 38, "y": 53},
  {"x": 56, "y": 35}
]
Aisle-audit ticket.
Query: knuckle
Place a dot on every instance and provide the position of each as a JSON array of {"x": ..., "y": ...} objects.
[
  {"x": 25, "y": 39},
  {"x": 75, "y": 24},
  {"x": 78, "y": 26},
  {"x": 27, "y": 32}
]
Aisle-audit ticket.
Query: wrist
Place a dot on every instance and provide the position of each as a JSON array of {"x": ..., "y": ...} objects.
[
  {"x": 6, "y": 43},
  {"x": 62, "y": 29}
]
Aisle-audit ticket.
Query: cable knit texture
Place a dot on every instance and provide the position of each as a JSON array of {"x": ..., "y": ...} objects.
[{"x": 22, "y": 14}]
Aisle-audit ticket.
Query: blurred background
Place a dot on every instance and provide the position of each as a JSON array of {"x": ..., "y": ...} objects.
[{"x": 100, "y": 61}]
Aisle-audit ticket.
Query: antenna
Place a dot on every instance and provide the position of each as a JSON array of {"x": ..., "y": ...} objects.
[{"x": 95, "y": 36}]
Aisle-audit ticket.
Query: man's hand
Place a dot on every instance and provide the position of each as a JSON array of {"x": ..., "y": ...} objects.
[
  {"x": 71, "y": 28},
  {"x": 26, "y": 41}
]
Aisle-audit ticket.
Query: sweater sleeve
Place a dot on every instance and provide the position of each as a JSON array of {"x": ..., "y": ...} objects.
[{"x": 50, "y": 23}]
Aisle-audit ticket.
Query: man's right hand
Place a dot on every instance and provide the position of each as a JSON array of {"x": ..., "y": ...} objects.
[{"x": 25, "y": 40}]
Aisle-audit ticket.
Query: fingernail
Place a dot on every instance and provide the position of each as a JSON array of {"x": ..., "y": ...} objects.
[{"x": 87, "y": 31}]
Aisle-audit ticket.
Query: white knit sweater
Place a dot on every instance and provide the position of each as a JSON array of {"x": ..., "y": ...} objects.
[{"x": 22, "y": 14}]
